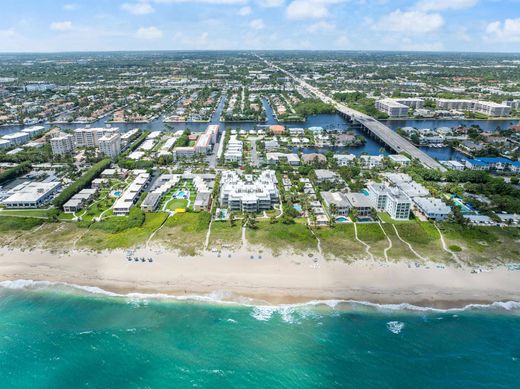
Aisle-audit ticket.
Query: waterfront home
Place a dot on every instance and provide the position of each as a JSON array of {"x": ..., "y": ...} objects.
[{"x": 313, "y": 157}]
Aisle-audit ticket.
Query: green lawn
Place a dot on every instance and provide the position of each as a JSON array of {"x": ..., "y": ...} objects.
[
  {"x": 185, "y": 232},
  {"x": 340, "y": 242},
  {"x": 177, "y": 203},
  {"x": 223, "y": 234},
  {"x": 281, "y": 237}
]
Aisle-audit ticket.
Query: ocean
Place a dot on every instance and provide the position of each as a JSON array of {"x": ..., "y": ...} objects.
[{"x": 58, "y": 336}]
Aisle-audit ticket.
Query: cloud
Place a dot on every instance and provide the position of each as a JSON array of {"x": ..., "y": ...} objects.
[
  {"x": 322, "y": 26},
  {"x": 342, "y": 42},
  {"x": 270, "y": 3},
  {"x": 244, "y": 11},
  {"x": 61, "y": 26},
  {"x": 257, "y": 24},
  {"x": 224, "y": 2},
  {"x": 440, "y": 5},
  {"x": 140, "y": 8},
  {"x": 309, "y": 9},
  {"x": 9, "y": 33},
  {"x": 410, "y": 22},
  {"x": 506, "y": 31},
  {"x": 70, "y": 7},
  {"x": 149, "y": 33}
]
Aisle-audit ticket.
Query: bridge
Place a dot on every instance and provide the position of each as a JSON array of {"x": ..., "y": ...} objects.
[{"x": 378, "y": 130}]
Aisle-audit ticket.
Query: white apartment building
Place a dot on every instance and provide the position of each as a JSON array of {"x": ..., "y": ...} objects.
[
  {"x": 491, "y": 108},
  {"x": 17, "y": 138},
  {"x": 31, "y": 194},
  {"x": 89, "y": 137},
  {"x": 412, "y": 102},
  {"x": 130, "y": 196},
  {"x": 371, "y": 161},
  {"x": 391, "y": 200},
  {"x": 392, "y": 108},
  {"x": 34, "y": 130},
  {"x": 234, "y": 150},
  {"x": 488, "y": 108},
  {"x": 62, "y": 144},
  {"x": 110, "y": 145},
  {"x": 399, "y": 159},
  {"x": 455, "y": 104},
  {"x": 432, "y": 208},
  {"x": 248, "y": 193},
  {"x": 345, "y": 159}
]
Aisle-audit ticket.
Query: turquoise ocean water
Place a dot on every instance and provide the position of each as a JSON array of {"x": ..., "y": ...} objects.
[{"x": 57, "y": 336}]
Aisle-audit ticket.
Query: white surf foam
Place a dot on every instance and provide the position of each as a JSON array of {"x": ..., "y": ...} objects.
[
  {"x": 395, "y": 326},
  {"x": 261, "y": 311}
]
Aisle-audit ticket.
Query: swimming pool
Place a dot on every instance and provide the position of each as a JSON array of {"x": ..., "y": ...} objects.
[
  {"x": 465, "y": 208},
  {"x": 117, "y": 193},
  {"x": 341, "y": 219},
  {"x": 298, "y": 207},
  {"x": 181, "y": 194},
  {"x": 365, "y": 192}
]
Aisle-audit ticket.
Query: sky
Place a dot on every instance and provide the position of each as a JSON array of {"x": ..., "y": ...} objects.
[{"x": 106, "y": 25}]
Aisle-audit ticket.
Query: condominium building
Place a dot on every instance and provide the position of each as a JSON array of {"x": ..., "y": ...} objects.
[
  {"x": 392, "y": 108},
  {"x": 34, "y": 130},
  {"x": 131, "y": 195},
  {"x": 432, "y": 208},
  {"x": 248, "y": 193},
  {"x": 31, "y": 194},
  {"x": 491, "y": 108},
  {"x": 234, "y": 150},
  {"x": 488, "y": 108},
  {"x": 89, "y": 137},
  {"x": 202, "y": 146},
  {"x": 390, "y": 200},
  {"x": 110, "y": 145},
  {"x": 412, "y": 102},
  {"x": 455, "y": 104},
  {"x": 17, "y": 138},
  {"x": 62, "y": 144}
]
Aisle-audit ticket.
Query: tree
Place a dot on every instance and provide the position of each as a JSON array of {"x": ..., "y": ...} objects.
[{"x": 232, "y": 219}]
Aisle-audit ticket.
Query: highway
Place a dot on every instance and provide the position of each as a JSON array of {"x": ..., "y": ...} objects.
[{"x": 382, "y": 132}]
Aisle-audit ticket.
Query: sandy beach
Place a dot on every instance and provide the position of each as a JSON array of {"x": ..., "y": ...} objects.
[{"x": 275, "y": 280}]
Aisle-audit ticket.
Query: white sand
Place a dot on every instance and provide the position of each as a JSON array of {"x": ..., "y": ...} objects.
[{"x": 284, "y": 279}]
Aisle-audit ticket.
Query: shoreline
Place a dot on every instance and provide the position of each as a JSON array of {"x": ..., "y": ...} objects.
[{"x": 288, "y": 279}]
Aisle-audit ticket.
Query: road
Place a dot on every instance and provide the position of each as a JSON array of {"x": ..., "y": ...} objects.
[
  {"x": 254, "y": 154},
  {"x": 391, "y": 138}
]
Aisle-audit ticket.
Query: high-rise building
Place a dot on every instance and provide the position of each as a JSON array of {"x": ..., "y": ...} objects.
[
  {"x": 62, "y": 144},
  {"x": 110, "y": 145}
]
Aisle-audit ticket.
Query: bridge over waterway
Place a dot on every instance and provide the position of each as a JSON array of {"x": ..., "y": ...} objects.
[{"x": 378, "y": 130}]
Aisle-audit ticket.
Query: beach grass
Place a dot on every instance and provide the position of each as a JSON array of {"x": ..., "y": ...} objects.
[
  {"x": 399, "y": 250},
  {"x": 479, "y": 245},
  {"x": 185, "y": 232},
  {"x": 101, "y": 238},
  {"x": 340, "y": 242},
  {"x": 425, "y": 239},
  {"x": 373, "y": 235},
  {"x": 225, "y": 235},
  {"x": 279, "y": 237}
]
